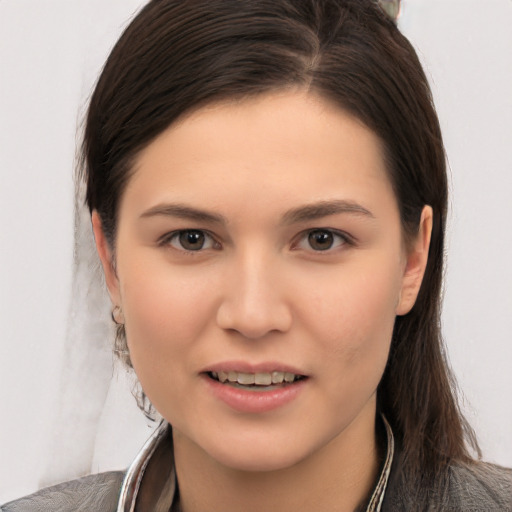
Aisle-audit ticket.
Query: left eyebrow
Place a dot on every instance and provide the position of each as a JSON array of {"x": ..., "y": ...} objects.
[
  {"x": 182, "y": 211},
  {"x": 324, "y": 209}
]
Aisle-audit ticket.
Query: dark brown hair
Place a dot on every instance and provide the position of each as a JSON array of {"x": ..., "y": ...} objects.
[{"x": 178, "y": 55}]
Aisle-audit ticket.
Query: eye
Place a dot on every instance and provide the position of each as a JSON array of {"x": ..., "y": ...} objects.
[
  {"x": 322, "y": 240},
  {"x": 191, "y": 240}
]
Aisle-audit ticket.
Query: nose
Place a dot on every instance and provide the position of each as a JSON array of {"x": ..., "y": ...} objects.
[{"x": 254, "y": 299}]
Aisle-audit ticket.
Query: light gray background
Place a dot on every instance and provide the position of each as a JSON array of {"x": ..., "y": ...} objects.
[{"x": 64, "y": 410}]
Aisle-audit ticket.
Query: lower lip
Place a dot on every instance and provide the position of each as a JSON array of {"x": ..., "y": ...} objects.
[{"x": 249, "y": 401}]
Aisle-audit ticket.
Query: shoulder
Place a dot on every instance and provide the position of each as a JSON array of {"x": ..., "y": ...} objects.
[
  {"x": 474, "y": 487},
  {"x": 96, "y": 492},
  {"x": 481, "y": 485}
]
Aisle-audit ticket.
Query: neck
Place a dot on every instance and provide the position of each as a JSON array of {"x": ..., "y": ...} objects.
[{"x": 338, "y": 477}]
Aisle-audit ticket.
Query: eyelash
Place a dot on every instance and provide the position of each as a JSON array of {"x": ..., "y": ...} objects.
[{"x": 342, "y": 240}]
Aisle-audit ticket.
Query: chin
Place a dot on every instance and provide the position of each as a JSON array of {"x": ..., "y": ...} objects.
[
  {"x": 257, "y": 453},
  {"x": 262, "y": 461}
]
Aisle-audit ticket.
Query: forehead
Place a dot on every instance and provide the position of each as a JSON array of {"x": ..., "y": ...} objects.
[{"x": 294, "y": 146}]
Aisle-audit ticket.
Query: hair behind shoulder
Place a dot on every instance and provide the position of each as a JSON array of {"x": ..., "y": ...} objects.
[{"x": 178, "y": 55}]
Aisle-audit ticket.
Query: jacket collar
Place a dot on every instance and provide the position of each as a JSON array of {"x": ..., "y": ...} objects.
[{"x": 150, "y": 482}]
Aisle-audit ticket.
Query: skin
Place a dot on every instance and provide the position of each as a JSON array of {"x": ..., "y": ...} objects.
[{"x": 258, "y": 291}]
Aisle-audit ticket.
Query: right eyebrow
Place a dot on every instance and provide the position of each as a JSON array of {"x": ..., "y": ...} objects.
[{"x": 183, "y": 212}]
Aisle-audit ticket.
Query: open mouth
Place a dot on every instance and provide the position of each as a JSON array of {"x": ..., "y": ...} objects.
[{"x": 256, "y": 380}]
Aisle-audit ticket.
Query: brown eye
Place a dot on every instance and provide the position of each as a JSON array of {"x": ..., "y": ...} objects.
[
  {"x": 192, "y": 240},
  {"x": 320, "y": 240}
]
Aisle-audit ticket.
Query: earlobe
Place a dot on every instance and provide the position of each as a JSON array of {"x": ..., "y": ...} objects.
[
  {"x": 416, "y": 263},
  {"x": 106, "y": 258}
]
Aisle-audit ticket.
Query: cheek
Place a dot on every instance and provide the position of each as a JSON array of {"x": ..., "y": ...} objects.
[
  {"x": 354, "y": 316},
  {"x": 166, "y": 310}
]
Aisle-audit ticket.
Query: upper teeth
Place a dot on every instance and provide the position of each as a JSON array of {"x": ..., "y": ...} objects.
[{"x": 261, "y": 379}]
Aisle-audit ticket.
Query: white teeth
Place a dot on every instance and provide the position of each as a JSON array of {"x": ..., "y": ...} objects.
[
  {"x": 277, "y": 377},
  {"x": 263, "y": 379},
  {"x": 246, "y": 379},
  {"x": 259, "y": 379}
]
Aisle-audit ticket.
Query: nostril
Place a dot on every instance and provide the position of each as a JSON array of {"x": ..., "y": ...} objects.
[{"x": 254, "y": 321}]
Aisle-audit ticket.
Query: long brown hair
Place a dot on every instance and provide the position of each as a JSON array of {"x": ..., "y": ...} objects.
[{"x": 178, "y": 55}]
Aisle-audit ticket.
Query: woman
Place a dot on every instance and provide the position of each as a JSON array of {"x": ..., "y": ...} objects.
[{"x": 267, "y": 187}]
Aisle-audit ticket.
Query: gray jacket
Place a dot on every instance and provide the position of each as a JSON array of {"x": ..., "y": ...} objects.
[
  {"x": 149, "y": 486},
  {"x": 485, "y": 490},
  {"x": 95, "y": 493}
]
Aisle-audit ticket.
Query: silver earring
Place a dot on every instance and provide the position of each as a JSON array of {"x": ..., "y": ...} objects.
[{"x": 117, "y": 315}]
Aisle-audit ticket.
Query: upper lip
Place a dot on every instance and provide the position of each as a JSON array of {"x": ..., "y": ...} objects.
[{"x": 246, "y": 367}]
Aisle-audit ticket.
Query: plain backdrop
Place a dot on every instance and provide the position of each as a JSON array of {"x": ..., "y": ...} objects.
[{"x": 65, "y": 409}]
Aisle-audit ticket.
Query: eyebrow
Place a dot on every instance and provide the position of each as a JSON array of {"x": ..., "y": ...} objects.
[
  {"x": 182, "y": 211},
  {"x": 324, "y": 209},
  {"x": 295, "y": 215}
]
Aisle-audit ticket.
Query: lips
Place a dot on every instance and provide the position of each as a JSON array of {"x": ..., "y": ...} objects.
[{"x": 254, "y": 388}]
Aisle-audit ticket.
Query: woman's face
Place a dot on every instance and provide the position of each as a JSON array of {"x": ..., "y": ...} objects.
[{"x": 260, "y": 241}]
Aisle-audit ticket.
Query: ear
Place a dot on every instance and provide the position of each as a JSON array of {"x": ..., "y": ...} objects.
[
  {"x": 107, "y": 261},
  {"x": 417, "y": 258}
]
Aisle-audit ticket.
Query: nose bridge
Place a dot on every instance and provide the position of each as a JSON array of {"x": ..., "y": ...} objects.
[{"x": 254, "y": 301}]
